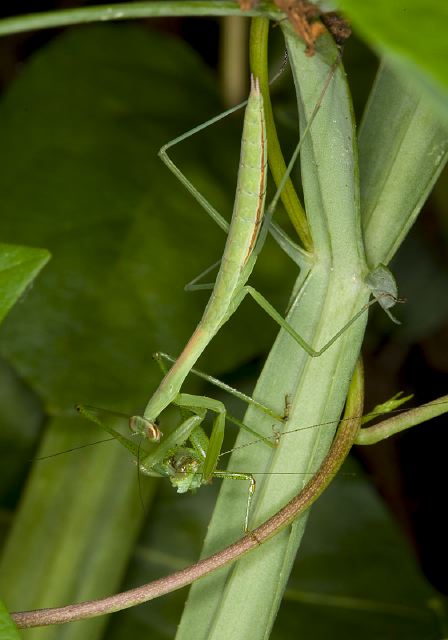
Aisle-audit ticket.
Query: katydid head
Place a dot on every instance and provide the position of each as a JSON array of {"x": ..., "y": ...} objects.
[
  {"x": 141, "y": 426},
  {"x": 184, "y": 470}
]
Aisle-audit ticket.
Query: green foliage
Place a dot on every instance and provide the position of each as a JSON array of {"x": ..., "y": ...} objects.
[
  {"x": 8, "y": 630},
  {"x": 355, "y": 574},
  {"x": 411, "y": 34},
  {"x": 18, "y": 267}
]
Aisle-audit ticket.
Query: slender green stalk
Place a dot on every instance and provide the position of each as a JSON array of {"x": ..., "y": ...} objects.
[
  {"x": 132, "y": 11},
  {"x": 233, "y": 59},
  {"x": 405, "y": 420},
  {"x": 259, "y": 68}
]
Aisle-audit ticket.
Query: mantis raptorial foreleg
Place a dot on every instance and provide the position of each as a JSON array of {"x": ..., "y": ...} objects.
[{"x": 188, "y": 466}]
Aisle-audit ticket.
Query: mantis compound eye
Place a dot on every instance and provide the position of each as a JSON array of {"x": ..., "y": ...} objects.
[{"x": 144, "y": 427}]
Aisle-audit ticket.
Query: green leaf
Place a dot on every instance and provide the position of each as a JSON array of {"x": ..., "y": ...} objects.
[
  {"x": 8, "y": 630},
  {"x": 397, "y": 172},
  {"x": 18, "y": 268},
  {"x": 411, "y": 34},
  {"x": 20, "y": 414},
  {"x": 20, "y": 422}
]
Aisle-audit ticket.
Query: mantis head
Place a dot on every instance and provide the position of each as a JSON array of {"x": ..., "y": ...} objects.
[{"x": 145, "y": 428}]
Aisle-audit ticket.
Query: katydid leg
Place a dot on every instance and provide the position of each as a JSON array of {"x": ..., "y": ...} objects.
[{"x": 234, "y": 475}]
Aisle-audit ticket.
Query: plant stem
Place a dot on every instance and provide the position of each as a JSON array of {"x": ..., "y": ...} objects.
[
  {"x": 131, "y": 11},
  {"x": 233, "y": 59},
  {"x": 403, "y": 421},
  {"x": 259, "y": 68}
]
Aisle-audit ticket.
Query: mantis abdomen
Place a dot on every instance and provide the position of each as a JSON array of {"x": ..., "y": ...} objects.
[{"x": 238, "y": 258}]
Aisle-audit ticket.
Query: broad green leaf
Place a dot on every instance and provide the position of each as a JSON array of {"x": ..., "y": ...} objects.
[
  {"x": 403, "y": 148},
  {"x": 20, "y": 415},
  {"x": 18, "y": 268},
  {"x": 411, "y": 34},
  {"x": 8, "y": 630},
  {"x": 20, "y": 420}
]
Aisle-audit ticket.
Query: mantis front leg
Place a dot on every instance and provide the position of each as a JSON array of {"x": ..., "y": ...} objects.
[{"x": 190, "y": 467}]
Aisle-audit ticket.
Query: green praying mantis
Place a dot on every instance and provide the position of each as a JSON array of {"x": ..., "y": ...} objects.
[{"x": 188, "y": 467}]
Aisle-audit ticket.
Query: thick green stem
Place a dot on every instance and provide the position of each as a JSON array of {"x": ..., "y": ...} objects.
[{"x": 227, "y": 603}]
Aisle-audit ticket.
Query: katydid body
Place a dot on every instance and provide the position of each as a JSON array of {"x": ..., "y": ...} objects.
[{"x": 238, "y": 259}]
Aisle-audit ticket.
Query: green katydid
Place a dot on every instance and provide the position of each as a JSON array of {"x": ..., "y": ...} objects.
[{"x": 183, "y": 464}]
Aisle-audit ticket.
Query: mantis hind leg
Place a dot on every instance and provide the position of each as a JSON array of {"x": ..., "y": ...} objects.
[
  {"x": 275, "y": 315},
  {"x": 163, "y": 154}
]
